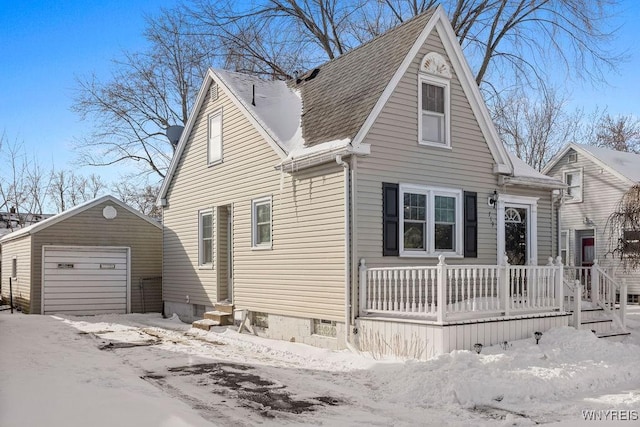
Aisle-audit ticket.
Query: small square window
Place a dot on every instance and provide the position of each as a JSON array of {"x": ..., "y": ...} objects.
[
  {"x": 631, "y": 242},
  {"x": 261, "y": 223},
  {"x": 14, "y": 267}
]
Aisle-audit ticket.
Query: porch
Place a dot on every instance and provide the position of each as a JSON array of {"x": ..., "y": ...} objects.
[{"x": 420, "y": 312}]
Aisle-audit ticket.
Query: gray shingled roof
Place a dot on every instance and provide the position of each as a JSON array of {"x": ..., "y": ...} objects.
[{"x": 338, "y": 100}]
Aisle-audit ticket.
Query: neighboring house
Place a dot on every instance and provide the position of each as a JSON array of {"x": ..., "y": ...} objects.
[
  {"x": 320, "y": 206},
  {"x": 596, "y": 178},
  {"x": 98, "y": 257}
]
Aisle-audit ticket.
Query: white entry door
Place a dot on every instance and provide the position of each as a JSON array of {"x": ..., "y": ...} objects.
[{"x": 85, "y": 280}]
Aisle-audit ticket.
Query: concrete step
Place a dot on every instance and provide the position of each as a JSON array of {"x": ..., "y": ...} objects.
[
  {"x": 205, "y": 324},
  {"x": 222, "y": 317},
  {"x": 223, "y": 307}
]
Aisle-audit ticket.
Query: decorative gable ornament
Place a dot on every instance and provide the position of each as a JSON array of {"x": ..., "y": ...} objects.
[{"x": 434, "y": 63}]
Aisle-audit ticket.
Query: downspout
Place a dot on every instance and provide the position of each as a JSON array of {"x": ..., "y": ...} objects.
[{"x": 347, "y": 252}]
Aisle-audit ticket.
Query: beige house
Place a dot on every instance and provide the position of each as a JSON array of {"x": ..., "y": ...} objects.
[
  {"x": 98, "y": 257},
  {"x": 597, "y": 178},
  {"x": 367, "y": 203}
]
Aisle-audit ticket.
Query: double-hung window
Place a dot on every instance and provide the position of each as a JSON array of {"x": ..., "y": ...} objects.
[
  {"x": 214, "y": 145},
  {"x": 205, "y": 232},
  {"x": 433, "y": 126},
  {"x": 573, "y": 179},
  {"x": 431, "y": 221},
  {"x": 261, "y": 223},
  {"x": 564, "y": 246}
]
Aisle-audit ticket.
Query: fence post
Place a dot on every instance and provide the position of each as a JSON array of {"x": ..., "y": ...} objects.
[
  {"x": 623, "y": 301},
  {"x": 578, "y": 305},
  {"x": 441, "y": 309},
  {"x": 560, "y": 282},
  {"x": 595, "y": 282},
  {"x": 362, "y": 284},
  {"x": 504, "y": 285}
]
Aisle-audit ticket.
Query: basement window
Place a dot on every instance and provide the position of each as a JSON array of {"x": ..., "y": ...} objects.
[
  {"x": 325, "y": 328},
  {"x": 261, "y": 320}
]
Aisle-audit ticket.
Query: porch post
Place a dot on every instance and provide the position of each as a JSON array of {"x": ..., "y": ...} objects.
[
  {"x": 363, "y": 286},
  {"x": 504, "y": 285},
  {"x": 623, "y": 301},
  {"x": 578, "y": 305},
  {"x": 560, "y": 282},
  {"x": 595, "y": 282},
  {"x": 442, "y": 291}
]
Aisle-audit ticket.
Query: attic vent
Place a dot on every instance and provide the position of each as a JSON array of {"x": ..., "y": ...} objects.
[
  {"x": 213, "y": 92},
  {"x": 572, "y": 158}
]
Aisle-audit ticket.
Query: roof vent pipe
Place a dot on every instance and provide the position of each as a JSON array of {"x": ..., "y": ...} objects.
[{"x": 253, "y": 95}]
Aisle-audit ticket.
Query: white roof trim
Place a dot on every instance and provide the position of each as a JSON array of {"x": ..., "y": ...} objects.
[
  {"x": 555, "y": 159},
  {"x": 202, "y": 95},
  {"x": 459, "y": 63},
  {"x": 34, "y": 228}
]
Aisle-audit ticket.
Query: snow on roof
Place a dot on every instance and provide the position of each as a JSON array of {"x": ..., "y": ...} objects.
[
  {"x": 277, "y": 108},
  {"x": 627, "y": 164},
  {"x": 523, "y": 170}
]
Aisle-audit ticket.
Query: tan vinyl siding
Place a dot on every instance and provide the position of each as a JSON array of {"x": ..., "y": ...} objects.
[
  {"x": 21, "y": 249},
  {"x": 90, "y": 228},
  {"x": 303, "y": 273},
  {"x": 601, "y": 193},
  {"x": 396, "y": 157},
  {"x": 223, "y": 254}
]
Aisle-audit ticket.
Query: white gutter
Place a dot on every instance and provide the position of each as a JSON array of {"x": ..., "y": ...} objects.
[
  {"x": 531, "y": 182},
  {"x": 347, "y": 252},
  {"x": 320, "y": 157}
]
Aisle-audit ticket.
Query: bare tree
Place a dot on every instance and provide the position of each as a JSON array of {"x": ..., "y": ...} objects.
[
  {"x": 534, "y": 129},
  {"x": 512, "y": 40},
  {"x": 624, "y": 230},
  {"x": 620, "y": 133},
  {"x": 147, "y": 93},
  {"x": 67, "y": 189},
  {"x": 142, "y": 198}
]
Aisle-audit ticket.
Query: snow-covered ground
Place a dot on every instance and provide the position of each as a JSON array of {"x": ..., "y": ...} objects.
[{"x": 142, "y": 370}]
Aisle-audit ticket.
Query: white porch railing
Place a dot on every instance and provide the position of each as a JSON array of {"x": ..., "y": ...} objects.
[
  {"x": 447, "y": 292},
  {"x": 596, "y": 285}
]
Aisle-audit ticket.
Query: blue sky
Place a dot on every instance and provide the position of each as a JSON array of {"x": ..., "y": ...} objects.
[{"x": 45, "y": 44}]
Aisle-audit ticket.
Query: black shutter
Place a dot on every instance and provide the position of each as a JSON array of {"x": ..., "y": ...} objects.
[
  {"x": 470, "y": 224},
  {"x": 390, "y": 219}
]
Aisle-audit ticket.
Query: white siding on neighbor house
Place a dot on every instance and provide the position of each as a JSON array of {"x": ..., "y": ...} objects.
[
  {"x": 21, "y": 250},
  {"x": 601, "y": 193},
  {"x": 303, "y": 273},
  {"x": 396, "y": 157}
]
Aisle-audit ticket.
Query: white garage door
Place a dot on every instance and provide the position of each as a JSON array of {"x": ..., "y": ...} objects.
[{"x": 85, "y": 280}]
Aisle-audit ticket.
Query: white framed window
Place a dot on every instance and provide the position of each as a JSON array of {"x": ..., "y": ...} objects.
[
  {"x": 573, "y": 179},
  {"x": 205, "y": 238},
  {"x": 431, "y": 221},
  {"x": 434, "y": 117},
  {"x": 564, "y": 246},
  {"x": 261, "y": 226},
  {"x": 631, "y": 242},
  {"x": 14, "y": 267},
  {"x": 214, "y": 145}
]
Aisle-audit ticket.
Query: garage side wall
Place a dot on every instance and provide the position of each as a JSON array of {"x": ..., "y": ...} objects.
[
  {"x": 19, "y": 249},
  {"x": 91, "y": 228}
]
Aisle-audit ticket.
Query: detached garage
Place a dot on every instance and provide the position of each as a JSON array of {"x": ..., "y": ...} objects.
[{"x": 99, "y": 257}]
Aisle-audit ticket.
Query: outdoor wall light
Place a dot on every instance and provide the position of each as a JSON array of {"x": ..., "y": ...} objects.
[
  {"x": 477, "y": 347},
  {"x": 537, "y": 335},
  {"x": 493, "y": 199}
]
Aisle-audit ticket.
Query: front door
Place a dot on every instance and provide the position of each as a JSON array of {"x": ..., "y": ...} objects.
[
  {"x": 588, "y": 251},
  {"x": 516, "y": 234}
]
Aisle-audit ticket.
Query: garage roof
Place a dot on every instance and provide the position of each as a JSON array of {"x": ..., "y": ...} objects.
[{"x": 34, "y": 228}]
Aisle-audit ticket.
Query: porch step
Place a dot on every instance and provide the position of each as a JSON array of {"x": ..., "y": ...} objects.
[
  {"x": 223, "y": 307},
  {"x": 221, "y": 315},
  {"x": 613, "y": 334},
  {"x": 204, "y": 324}
]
